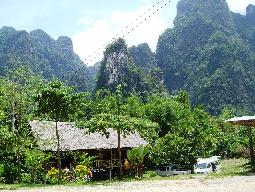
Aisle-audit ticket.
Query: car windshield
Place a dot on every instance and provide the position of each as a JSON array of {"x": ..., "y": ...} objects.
[
  {"x": 162, "y": 168},
  {"x": 201, "y": 166}
]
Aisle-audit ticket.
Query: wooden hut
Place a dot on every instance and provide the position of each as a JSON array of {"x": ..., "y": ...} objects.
[{"x": 76, "y": 139}]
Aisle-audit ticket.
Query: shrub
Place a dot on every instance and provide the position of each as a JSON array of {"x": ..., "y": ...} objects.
[
  {"x": 26, "y": 178},
  {"x": 150, "y": 174},
  {"x": 1, "y": 173},
  {"x": 80, "y": 172},
  {"x": 52, "y": 175},
  {"x": 10, "y": 172}
]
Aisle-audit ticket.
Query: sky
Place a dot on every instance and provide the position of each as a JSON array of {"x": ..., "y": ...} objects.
[{"x": 92, "y": 24}]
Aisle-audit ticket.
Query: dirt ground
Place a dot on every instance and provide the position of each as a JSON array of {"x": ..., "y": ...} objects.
[{"x": 229, "y": 184}]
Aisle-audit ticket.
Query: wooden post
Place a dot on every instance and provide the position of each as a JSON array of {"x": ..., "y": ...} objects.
[
  {"x": 58, "y": 153},
  {"x": 111, "y": 166},
  {"x": 119, "y": 151},
  {"x": 251, "y": 149}
]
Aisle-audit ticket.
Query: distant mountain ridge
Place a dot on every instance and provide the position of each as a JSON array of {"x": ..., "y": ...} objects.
[
  {"x": 209, "y": 53},
  {"x": 43, "y": 55}
]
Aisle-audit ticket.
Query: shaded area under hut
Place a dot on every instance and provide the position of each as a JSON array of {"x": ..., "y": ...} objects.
[{"x": 248, "y": 121}]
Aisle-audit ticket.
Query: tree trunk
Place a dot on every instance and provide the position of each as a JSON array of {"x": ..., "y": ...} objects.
[
  {"x": 192, "y": 164},
  {"x": 58, "y": 153},
  {"x": 119, "y": 151},
  {"x": 251, "y": 149}
]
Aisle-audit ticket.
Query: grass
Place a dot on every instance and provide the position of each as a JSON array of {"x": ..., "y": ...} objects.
[
  {"x": 18, "y": 186},
  {"x": 233, "y": 167},
  {"x": 229, "y": 167}
]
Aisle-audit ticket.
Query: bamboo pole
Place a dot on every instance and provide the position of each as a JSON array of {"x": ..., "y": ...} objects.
[{"x": 251, "y": 149}]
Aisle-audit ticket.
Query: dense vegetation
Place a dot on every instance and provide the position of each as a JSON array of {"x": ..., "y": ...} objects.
[
  {"x": 142, "y": 56},
  {"x": 171, "y": 125}
]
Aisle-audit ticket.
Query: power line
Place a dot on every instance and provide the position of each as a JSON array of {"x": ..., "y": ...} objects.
[
  {"x": 120, "y": 34},
  {"x": 128, "y": 29}
]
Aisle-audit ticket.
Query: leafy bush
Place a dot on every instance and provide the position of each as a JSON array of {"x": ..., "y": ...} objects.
[
  {"x": 1, "y": 172},
  {"x": 10, "y": 172},
  {"x": 52, "y": 175},
  {"x": 149, "y": 174},
  {"x": 80, "y": 172},
  {"x": 26, "y": 178},
  {"x": 35, "y": 161},
  {"x": 81, "y": 158},
  {"x": 136, "y": 155}
]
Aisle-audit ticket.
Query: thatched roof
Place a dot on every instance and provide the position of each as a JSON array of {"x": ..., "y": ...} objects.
[
  {"x": 244, "y": 120},
  {"x": 73, "y": 138}
]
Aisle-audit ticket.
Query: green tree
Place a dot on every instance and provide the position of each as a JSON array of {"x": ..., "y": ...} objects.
[
  {"x": 188, "y": 134},
  {"x": 56, "y": 102},
  {"x": 17, "y": 109},
  {"x": 35, "y": 161},
  {"x": 113, "y": 116}
]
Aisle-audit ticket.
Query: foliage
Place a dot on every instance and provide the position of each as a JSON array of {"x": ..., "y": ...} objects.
[
  {"x": 15, "y": 110},
  {"x": 245, "y": 26},
  {"x": 35, "y": 161},
  {"x": 114, "y": 112},
  {"x": 82, "y": 158},
  {"x": 136, "y": 155},
  {"x": 26, "y": 178},
  {"x": 80, "y": 172},
  {"x": 57, "y": 102},
  {"x": 10, "y": 172},
  {"x": 52, "y": 175},
  {"x": 149, "y": 174},
  {"x": 1, "y": 170},
  {"x": 143, "y": 56},
  {"x": 189, "y": 134}
]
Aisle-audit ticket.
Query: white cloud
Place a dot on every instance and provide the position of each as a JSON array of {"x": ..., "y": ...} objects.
[
  {"x": 239, "y": 5},
  {"x": 90, "y": 42}
]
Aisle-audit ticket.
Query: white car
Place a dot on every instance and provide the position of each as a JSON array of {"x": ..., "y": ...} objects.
[
  {"x": 203, "y": 166},
  {"x": 173, "y": 169},
  {"x": 209, "y": 165}
]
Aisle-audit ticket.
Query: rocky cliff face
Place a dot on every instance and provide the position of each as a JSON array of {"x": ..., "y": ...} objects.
[
  {"x": 143, "y": 56},
  {"x": 245, "y": 25},
  {"x": 216, "y": 12},
  {"x": 250, "y": 11},
  {"x": 114, "y": 65},
  {"x": 117, "y": 67}
]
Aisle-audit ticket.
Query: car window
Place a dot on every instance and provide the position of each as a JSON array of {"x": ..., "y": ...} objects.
[
  {"x": 162, "y": 168},
  {"x": 174, "y": 167}
]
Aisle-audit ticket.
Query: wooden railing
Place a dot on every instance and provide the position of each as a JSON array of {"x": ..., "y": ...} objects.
[{"x": 107, "y": 163}]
